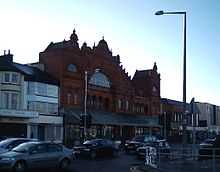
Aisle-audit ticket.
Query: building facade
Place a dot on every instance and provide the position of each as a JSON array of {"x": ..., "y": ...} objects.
[
  {"x": 28, "y": 102},
  {"x": 203, "y": 120},
  {"x": 209, "y": 118},
  {"x": 171, "y": 119},
  {"x": 93, "y": 81}
]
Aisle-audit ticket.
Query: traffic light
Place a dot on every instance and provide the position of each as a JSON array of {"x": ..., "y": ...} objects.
[
  {"x": 88, "y": 119},
  {"x": 81, "y": 122}
]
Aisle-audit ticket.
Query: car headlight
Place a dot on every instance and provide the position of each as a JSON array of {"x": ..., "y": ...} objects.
[{"x": 7, "y": 158}]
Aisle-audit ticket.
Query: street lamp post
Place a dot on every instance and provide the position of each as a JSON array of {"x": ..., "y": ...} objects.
[
  {"x": 85, "y": 103},
  {"x": 184, "y": 123}
]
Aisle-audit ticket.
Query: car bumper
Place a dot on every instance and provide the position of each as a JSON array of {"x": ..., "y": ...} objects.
[
  {"x": 130, "y": 148},
  {"x": 6, "y": 165}
]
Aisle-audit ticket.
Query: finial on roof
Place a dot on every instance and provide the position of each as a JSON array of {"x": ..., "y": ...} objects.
[
  {"x": 4, "y": 52},
  {"x": 155, "y": 66},
  {"x": 85, "y": 44},
  {"x": 8, "y": 51},
  {"x": 103, "y": 37},
  {"x": 74, "y": 38}
]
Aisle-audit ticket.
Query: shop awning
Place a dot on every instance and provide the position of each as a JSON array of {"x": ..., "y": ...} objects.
[{"x": 108, "y": 118}]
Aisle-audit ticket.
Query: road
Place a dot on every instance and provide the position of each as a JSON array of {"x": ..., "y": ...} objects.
[
  {"x": 124, "y": 162},
  {"x": 118, "y": 164}
]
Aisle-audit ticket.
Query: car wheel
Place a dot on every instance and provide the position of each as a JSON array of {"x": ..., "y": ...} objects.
[
  {"x": 19, "y": 167},
  {"x": 64, "y": 164},
  {"x": 93, "y": 154}
]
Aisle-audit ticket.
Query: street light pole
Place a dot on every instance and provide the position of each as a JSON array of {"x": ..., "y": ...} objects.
[
  {"x": 85, "y": 103},
  {"x": 184, "y": 122}
]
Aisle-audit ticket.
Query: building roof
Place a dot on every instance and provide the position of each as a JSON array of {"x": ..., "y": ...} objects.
[
  {"x": 179, "y": 103},
  {"x": 30, "y": 73},
  {"x": 141, "y": 74},
  {"x": 59, "y": 45}
]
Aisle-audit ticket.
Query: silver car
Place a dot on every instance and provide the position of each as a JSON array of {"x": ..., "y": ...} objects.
[
  {"x": 9, "y": 143},
  {"x": 32, "y": 155}
]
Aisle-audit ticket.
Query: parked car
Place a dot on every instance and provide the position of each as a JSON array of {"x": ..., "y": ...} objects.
[
  {"x": 33, "y": 155},
  {"x": 162, "y": 147},
  {"x": 10, "y": 143},
  {"x": 3, "y": 138},
  {"x": 97, "y": 147},
  {"x": 209, "y": 148},
  {"x": 141, "y": 140}
]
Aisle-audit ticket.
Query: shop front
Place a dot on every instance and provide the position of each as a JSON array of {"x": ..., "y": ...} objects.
[{"x": 109, "y": 125}]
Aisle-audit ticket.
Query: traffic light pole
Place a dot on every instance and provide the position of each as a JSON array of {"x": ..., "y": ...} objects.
[{"x": 85, "y": 103}]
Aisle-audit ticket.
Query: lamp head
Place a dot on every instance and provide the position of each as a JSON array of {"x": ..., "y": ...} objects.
[{"x": 159, "y": 13}]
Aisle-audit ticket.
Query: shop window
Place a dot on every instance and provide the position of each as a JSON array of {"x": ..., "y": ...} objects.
[
  {"x": 50, "y": 130},
  {"x": 58, "y": 132}
]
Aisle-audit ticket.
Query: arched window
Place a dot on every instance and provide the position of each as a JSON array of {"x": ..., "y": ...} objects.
[
  {"x": 99, "y": 79},
  {"x": 71, "y": 68}
]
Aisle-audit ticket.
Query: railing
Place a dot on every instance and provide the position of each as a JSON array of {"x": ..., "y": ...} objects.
[{"x": 189, "y": 159}]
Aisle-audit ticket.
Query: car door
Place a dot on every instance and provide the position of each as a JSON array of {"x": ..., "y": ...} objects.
[
  {"x": 107, "y": 147},
  {"x": 38, "y": 156},
  {"x": 55, "y": 152},
  {"x": 100, "y": 148}
]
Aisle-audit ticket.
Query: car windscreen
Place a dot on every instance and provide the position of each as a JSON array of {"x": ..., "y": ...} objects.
[
  {"x": 209, "y": 141},
  {"x": 4, "y": 143},
  {"x": 138, "y": 139},
  {"x": 24, "y": 147},
  {"x": 91, "y": 142}
]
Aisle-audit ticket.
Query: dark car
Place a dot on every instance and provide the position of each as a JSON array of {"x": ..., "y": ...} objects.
[
  {"x": 3, "y": 138},
  {"x": 34, "y": 155},
  {"x": 141, "y": 140},
  {"x": 209, "y": 148},
  {"x": 10, "y": 143},
  {"x": 96, "y": 147},
  {"x": 162, "y": 147}
]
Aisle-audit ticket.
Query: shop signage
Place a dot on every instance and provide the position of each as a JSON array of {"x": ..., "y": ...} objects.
[{"x": 18, "y": 113}]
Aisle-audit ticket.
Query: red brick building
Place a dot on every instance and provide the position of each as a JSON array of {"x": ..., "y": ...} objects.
[{"x": 120, "y": 106}]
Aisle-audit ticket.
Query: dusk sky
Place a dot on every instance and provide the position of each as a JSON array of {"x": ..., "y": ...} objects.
[{"x": 131, "y": 30}]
